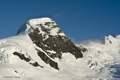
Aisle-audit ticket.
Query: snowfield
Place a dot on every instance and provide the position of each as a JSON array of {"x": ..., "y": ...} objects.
[{"x": 101, "y": 61}]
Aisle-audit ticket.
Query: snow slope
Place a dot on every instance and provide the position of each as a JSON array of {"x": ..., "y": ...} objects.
[{"x": 100, "y": 62}]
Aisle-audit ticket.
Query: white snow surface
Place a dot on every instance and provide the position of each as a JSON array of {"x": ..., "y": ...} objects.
[{"x": 100, "y": 62}]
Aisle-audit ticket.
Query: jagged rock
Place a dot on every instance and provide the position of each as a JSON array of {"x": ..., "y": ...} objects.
[
  {"x": 47, "y": 60},
  {"x": 22, "y": 57},
  {"x": 36, "y": 64},
  {"x": 60, "y": 44}
]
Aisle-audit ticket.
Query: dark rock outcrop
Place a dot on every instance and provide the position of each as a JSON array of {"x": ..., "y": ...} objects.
[
  {"x": 22, "y": 57},
  {"x": 59, "y": 44},
  {"x": 47, "y": 60}
]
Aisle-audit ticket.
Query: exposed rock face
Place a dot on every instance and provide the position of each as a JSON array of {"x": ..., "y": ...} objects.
[
  {"x": 47, "y": 60},
  {"x": 58, "y": 44},
  {"x": 22, "y": 57},
  {"x": 50, "y": 40}
]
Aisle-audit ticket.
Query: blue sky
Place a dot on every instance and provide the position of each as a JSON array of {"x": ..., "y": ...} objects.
[{"x": 79, "y": 19}]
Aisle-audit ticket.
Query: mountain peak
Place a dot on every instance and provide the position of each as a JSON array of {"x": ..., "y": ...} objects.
[
  {"x": 49, "y": 40},
  {"x": 45, "y": 25}
]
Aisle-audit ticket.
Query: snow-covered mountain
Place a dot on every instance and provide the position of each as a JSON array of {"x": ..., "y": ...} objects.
[{"x": 41, "y": 51}]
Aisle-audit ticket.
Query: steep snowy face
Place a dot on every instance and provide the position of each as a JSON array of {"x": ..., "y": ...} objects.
[{"x": 49, "y": 40}]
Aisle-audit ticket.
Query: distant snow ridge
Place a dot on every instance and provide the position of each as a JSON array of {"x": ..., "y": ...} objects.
[
  {"x": 41, "y": 51},
  {"x": 103, "y": 57}
]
